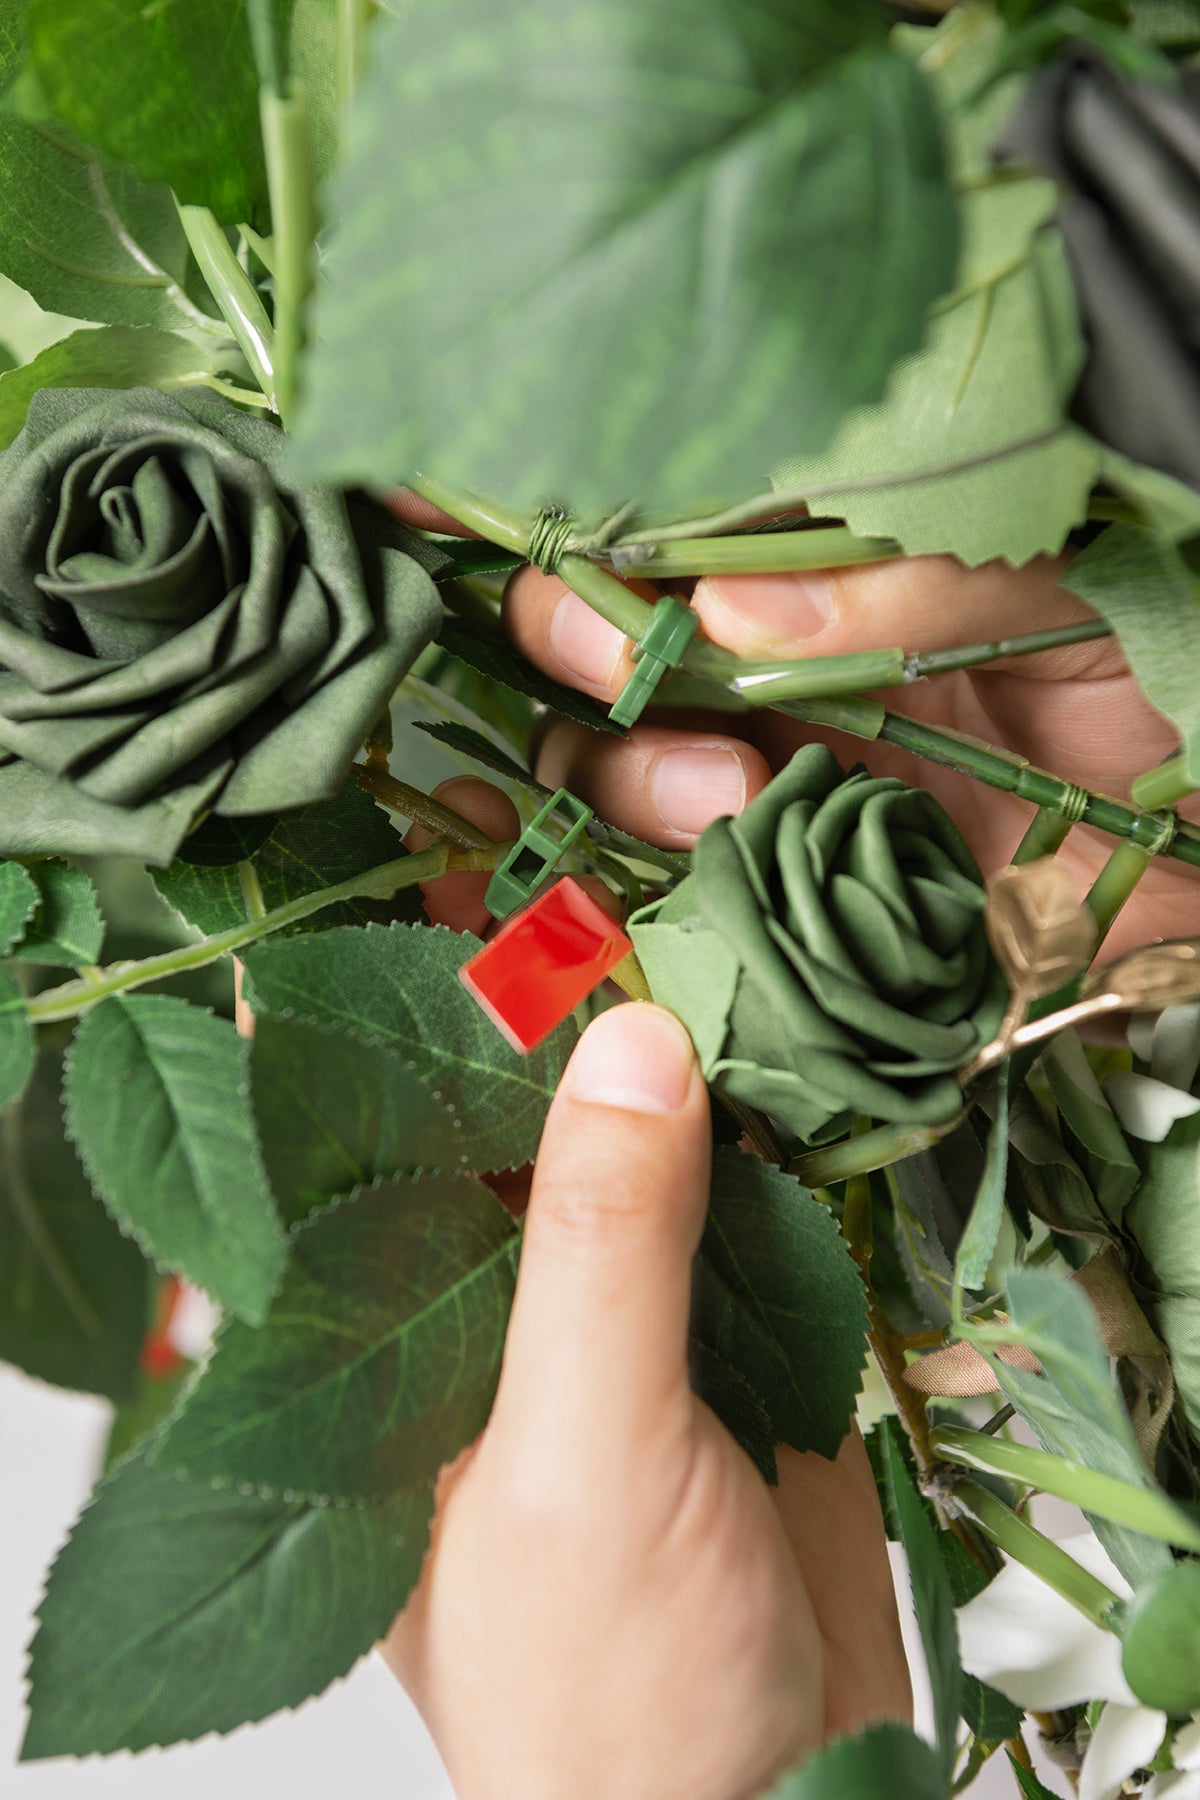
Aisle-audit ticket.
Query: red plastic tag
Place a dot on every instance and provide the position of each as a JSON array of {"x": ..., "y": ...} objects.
[{"x": 543, "y": 962}]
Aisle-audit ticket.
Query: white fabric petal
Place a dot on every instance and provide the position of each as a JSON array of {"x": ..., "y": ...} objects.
[
  {"x": 1174, "y": 1786},
  {"x": 1140, "y": 1033},
  {"x": 1024, "y": 1639},
  {"x": 1126, "y": 1738},
  {"x": 1175, "y": 1045},
  {"x": 1147, "y": 1108},
  {"x": 1185, "y": 1753}
]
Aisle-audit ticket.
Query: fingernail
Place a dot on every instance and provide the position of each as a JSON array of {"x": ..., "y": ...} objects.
[
  {"x": 586, "y": 646},
  {"x": 690, "y": 788},
  {"x": 635, "y": 1057},
  {"x": 764, "y": 614}
]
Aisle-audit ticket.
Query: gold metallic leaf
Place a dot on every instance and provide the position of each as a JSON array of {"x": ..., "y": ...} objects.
[
  {"x": 1040, "y": 930},
  {"x": 1149, "y": 979}
]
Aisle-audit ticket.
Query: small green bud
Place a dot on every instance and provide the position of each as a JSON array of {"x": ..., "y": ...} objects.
[{"x": 1161, "y": 1651}]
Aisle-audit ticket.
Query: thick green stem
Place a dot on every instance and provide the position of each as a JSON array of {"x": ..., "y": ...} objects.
[
  {"x": 1047, "y": 830},
  {"x": 1116, "y": 882},
  {"x": 1028, "y": 643},
  {"x": 354, "y": 20},
  {"x": 264, "y": 42},
  {"x": 233, "y": 291},
  {"x": 412, "y": 804},
  {"x": 768, "y": 683},
  {"x": 1165, "y": 785},
  {"x": 380, "y": 883},
  {"x": 755, "y": 553},
  {"x": 290, "y": 181},
  {"x": 1040, "y": 1554},
  {"x": 1140, "y": 1509}
]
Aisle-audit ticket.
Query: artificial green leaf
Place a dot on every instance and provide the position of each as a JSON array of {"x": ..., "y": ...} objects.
[
  {"x": 17, "y": 1047},
  {"x": 176, "y": 1608},
  {"x": 889, "y": 1762},
  {"x": 1044, "y": 1176},
  {"x": 177, "y": 99},
  {"x": 933, "y": 1600},
  {"x": 1074, "y": 1405},
  {"x": 487, "y": 649},
  {"x": 473, "y": 744},
  {"x": 742, "y": 1412},
  {"x": 314, "y": 848},
  {"x": 73, "y": 1290},
  {"x": 665, "y": 199},
  {"x": 67, "y": 928},
  {"x": 1031, "y": 1788},
  {"x": 120, "y": 356},
  {"x": 1172, "y": 22},
  {"x": 84, "y": 235},
  {"x": 1110, "y": 1164},
  {"x": 1144, "y": 588},
  {"x": 399, "y": 987},
  {"x": 977, "y": 1245},
  {"x": 378, "y": 1360},
  {"x": 138, "y": 1417},
  {"x": 18, "y": 903},
  {"x": 334, "y": 1114},
  {"x": 1164, "y": 1219},
  {"x": 778, "y": 1295},
  {"x": 922, "y": 1254},
  {"x": 157, "y": 1105}
]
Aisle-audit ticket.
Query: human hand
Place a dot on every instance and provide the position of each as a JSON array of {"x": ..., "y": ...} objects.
[
  {"x": 614, "y": 1604},
  {"x": 1077, "y": 711}
]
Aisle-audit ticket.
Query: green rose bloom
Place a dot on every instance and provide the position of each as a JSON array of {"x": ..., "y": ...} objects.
[
  {"x": 180, "y": 634},
  {"x": 827, "y": 952}
]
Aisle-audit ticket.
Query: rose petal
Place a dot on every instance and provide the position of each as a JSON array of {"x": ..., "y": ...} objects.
[
  {"x": 1185, "y": 1752},
  {"x": 1127, "y": 1738},
  {"x": 1144, "y": 1107}
]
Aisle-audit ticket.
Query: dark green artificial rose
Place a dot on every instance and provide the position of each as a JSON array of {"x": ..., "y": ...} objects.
[
  {"x": 179, "y": 634},
  {"x": 827, "y": 952}
]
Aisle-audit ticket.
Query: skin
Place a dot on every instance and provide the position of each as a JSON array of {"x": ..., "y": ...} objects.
[{"x": 613, "y": 1603}]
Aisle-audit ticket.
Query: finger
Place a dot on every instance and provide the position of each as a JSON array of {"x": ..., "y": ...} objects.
[
  {"x": 661, "y": 784},
  {"x": 595, "y": 1364},
  {"x": 423, "y": 515},
  {"x": 457, "y": 900},
  {"x": 566, "y": 637},
  {"x": 918, "y": 603}
]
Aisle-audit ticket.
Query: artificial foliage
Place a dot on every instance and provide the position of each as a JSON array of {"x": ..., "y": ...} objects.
[{"x": 643, "y": 292}]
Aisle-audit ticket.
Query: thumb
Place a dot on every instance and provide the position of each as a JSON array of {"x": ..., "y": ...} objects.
[
  {"x": 597, "y": 1341},
  {"x": 918, "y": 603}
]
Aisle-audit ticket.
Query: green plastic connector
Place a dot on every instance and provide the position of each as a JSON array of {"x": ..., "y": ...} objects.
[
  {"x": 662, "y": 647},
  {"x": 534, "y": 855}
]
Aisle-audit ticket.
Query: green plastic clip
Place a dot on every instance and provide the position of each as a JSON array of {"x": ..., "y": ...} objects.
[
  {"x": 662, "y": 647},
  {"x": 534, "y": 855}
]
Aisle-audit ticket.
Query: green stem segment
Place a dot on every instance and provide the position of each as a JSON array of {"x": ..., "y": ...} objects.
[
  {"x": 870, "y": 1150},
  {"x": 1116, "y": 882},
  {"x": 290, "y": 180},
  {"x": 1165, "y": 785},
  {"x": 1040, "y": 1554},
  {"x": 354, "y": 19},
  {"x": 380, "y": 883},
  {"x": 233, "y": 292},
  {"x": 754, "y": 553},
  {"x": 1047, "y": 830},
  {"x": 1141, "y": 1509}
]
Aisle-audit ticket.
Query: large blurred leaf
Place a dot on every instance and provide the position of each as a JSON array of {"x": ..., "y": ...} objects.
[
  {"x": 379, "y": 1359},
  {"x": 707, "y": 229},
  {"x": 176, "y": 1608},
  {"x": 157, "y": 1106},
  {"x": 172, "y": 90},
  {"x": 487, "y": 649},
  {"x": 399, "y": 987},
  {"x": 1147, "y": 592},
  {"x": 778, "y": 1295},
  {"x": 970, "y": 450},
  {"x": 1164, "y": 1218},
  {"x": 933, "y": 1600},
  {"x": 73, "y": 1290},
  {"x": 67, "y": 927},
  {"x": 334, "y": 1114},
  {"x": 84, "y": 235},
  {"x": 1074, "y": 1405},
  {"x": 314, "y": 848},
  {"x": 889, "y": 1762},
  {"x": 121, "y": 356}
]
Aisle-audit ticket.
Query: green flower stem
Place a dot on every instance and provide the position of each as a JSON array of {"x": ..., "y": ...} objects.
[
  {"x": 1116, "y": 882},
  {"x": 1040, "y": 1554},
  {"x": 233, "y": 291},
  {"x": 380, "y": 883},
  {"x": 1047, "y": 830},
  {"x": 252, "y": 894},
  {"x": 1029, "y": 643},
  {"x": 354, "y": 19},
  {"x": 264, "y": 42},
  {"x": 290, "y": 181},
  {"x": 412, "y": 804},
  {"x": 870, "y": 1150},
  {"x": 756, "y": 553},
  {"x": 767, "y": 683},
  {"x": 1140, "y": 1509},
  {"x": 1165, "y": 785},
  {"x": 1000, "y": 769}
]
